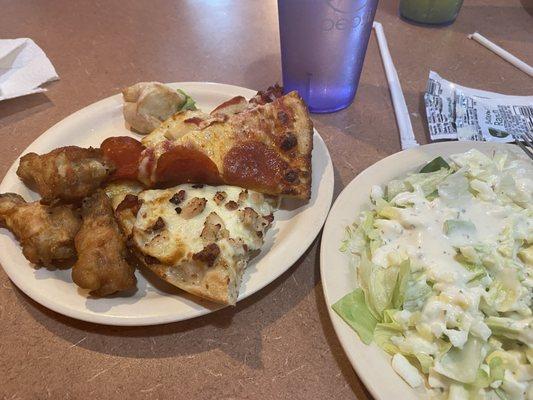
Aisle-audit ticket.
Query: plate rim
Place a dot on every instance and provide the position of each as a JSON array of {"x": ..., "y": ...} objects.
[
  {"x": 113, "y": 320},
  {"x": 368, "y": 380}
]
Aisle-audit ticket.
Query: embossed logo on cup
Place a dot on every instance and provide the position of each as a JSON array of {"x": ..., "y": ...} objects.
[{"x": 347, "y": 20}]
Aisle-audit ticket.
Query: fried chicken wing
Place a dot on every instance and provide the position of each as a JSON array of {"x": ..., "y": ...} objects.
[
  {"x": 67, "y": 173},
  {"x": 46, "y": 233},
  {"x": 101, "y": 265}
]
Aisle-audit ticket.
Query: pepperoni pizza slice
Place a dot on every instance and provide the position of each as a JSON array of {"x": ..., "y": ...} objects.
[{"x": 263, "y": 145}]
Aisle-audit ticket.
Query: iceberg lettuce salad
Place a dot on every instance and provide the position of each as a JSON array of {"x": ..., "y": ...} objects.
[{"x": 444, "y": 259}]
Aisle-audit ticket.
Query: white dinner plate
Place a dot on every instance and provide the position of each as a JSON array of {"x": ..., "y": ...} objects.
[
  {"x": 155, "y": 302},
  {"x": 338, "y": 279}
]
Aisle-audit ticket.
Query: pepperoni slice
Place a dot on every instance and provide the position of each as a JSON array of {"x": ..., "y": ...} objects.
[
  {"x": 125, "y": 153},
  {"x": 185, "y": 165},
  {"x": 254, "y": 165},
  {"x": 130, "y": 202}
]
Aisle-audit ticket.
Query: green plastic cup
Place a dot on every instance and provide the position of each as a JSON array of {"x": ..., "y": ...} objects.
[{"x": 433, "y": 12}]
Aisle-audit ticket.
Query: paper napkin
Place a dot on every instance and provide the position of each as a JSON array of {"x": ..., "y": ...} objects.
[{"x": 23, "y": 68}]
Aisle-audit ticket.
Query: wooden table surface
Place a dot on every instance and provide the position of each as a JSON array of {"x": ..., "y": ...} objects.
[{"x": 279, "y": 343}]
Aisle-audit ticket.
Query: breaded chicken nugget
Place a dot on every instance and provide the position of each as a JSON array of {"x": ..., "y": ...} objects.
[
  {"x": 67, "y": 173},
  {"x": 46, "y": 233},
  {"x": 101, "y": 265}
]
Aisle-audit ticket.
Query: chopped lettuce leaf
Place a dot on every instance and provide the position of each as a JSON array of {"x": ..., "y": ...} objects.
[
  {"x": 417, "y": 291},
  {"x": 378, "y": 285},
  {"x": 435, "y": 165},
  {"x": 462, "y": 364},
  {"x": 455, "y": 190},
  {"x": 521, "y": 330},
  {"x": 504, "y": 292},
  {"x": 189, "y": 104},
  {"x": 354, "y": 311},
  {"x": 477, "y": 164},
  {"x": 383, "y": 334},
  {"x": 460, "y": 232},
  {"x": 497, "y": 369},
  {"x": 425, "y": 361},
  {"x": 428, "y": 181},
  {"x": 385, "y": 330},
  {"x": 395, "y": 187},
  {"x": 398, "y": 295}
]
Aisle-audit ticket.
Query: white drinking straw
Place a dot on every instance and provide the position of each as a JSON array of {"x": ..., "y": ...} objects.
[
  {"x": 518, "y": 63},
  {"x": 407, "y": 136}
]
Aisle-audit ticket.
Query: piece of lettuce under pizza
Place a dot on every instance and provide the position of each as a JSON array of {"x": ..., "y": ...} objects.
[{"x": 197, "y": 237}]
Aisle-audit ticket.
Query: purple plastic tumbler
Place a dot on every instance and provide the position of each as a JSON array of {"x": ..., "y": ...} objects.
[{"x": 323, "y": 46}]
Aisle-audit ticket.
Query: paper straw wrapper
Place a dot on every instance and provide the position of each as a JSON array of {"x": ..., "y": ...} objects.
[{"x": 518, "y": 63}]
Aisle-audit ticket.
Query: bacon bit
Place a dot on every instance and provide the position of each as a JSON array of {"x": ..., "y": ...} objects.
[
  {"x": 159, "y": 224},
  {"x": 289, "y": 141},
  {"x": 131, "y": 202},
  {"x": 269, "y": 218},
  {"x": 243, "y": 196},
  {"x": 232, "y": 205},
  {"x": 208, "y": 255},
  {"x": 177, "y": 198},
  {"x": 194, "y": 207},
  {"x": 178, "y": 210},
  {"x": 219, "y": 197}
]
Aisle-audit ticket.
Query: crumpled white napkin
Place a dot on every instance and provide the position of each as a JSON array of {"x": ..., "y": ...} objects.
[{"x": 23, "y": 68}]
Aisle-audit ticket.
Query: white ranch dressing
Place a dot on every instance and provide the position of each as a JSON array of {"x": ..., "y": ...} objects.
[{"x": 418, "y": 234}]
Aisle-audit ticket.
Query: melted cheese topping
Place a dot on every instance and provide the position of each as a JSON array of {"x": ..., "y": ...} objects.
[{"x": 180, "y": 237}]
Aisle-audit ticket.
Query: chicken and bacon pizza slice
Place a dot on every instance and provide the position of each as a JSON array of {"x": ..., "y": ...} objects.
[{"x": 198, "y": 238}]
